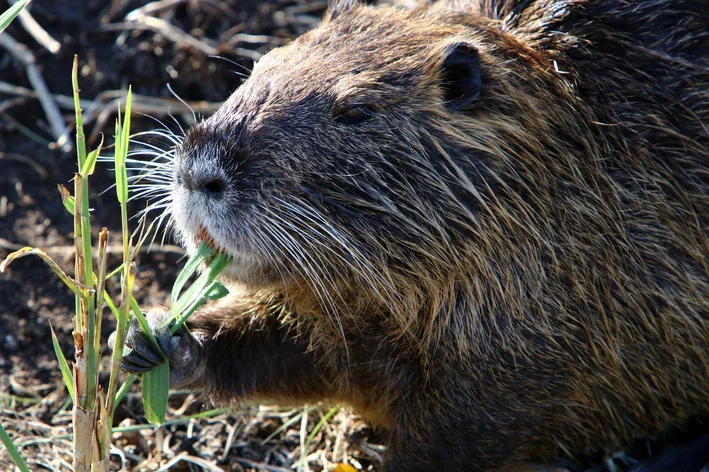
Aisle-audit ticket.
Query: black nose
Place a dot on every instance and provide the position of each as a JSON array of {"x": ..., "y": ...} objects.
[{"x": 213, "y": 188}]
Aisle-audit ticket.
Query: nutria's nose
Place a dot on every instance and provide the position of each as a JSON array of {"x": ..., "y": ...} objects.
[{"x": 212, "y": 187}]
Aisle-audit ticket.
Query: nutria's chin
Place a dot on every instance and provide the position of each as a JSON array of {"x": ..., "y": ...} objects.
[{"x": 483, "y": 224}]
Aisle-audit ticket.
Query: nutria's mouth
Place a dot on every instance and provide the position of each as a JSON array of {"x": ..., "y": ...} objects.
[{"x": 203, "y": 236}]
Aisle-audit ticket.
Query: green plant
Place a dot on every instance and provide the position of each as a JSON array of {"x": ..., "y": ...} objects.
[
  {"x": 10, "y": 14},
  {"x": 93, "y": 407},
  {"x": 14, "y": 453}
]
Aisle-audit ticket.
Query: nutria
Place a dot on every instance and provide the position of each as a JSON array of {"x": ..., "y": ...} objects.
[{"x": 483, "y": 224}]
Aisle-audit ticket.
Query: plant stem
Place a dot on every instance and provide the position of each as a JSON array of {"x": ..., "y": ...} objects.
[
  {"x": 100, "y": 285},
  {"x": 121, "y": 328}
]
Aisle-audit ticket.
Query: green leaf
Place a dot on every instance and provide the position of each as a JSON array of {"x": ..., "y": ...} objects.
[
  {"x": 10, "y": 14},
  {"x": 14, "y": 453},
  {"x": 122, "y": 135},
  {"x": 217, "y": 291},
  {"x": 110, "y": 304},
  {"x": 67, "y": 198},
  {"x": 319, "y": 426},
  {"x": 126, "y": 125},
  {"x": 156, "y": 385},
  {"x": 144, "y": 326},
  {"x": 115, "y": 271},
  {"x": 125, "y": 387},
  {"x": 196, "y": 294},
  {"x": 63, "y": 365},
  {"x": 201, "y": 254},
  {"x": 73, "y": 285},
  {"x": 91, "y": 159}
]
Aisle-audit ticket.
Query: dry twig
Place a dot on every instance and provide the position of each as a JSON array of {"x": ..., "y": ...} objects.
[
  {"x": 51, "y": 110},
  {"x": 38, "y": 33}
]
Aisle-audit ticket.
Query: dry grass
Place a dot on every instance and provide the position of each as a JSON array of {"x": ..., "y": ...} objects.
[{"x": 249, "y": 437}]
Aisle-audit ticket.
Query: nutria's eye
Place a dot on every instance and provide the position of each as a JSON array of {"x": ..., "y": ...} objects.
[{"x": 354, "y": 114}]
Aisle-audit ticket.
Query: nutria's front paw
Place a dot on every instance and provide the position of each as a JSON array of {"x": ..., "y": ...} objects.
[{"x": 182, "y": 350}]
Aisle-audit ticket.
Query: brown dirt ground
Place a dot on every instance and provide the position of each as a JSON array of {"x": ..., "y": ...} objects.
[{"x": 34, "y": 406}]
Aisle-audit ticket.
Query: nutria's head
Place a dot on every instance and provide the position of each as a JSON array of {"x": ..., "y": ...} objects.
[{"x": 366, "y": 152}]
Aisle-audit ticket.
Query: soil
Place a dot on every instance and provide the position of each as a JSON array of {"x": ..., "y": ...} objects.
[{"x": 35, "y": 407}]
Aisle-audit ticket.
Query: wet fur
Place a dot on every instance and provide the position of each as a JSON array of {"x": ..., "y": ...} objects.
[{"x": 517, "y": 280}]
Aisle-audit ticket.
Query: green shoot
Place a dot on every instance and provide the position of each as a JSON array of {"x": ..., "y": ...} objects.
[
  {"x": 16, "y": 457},
  {"x": 93, "y": 408},
  {"x": 201, "y": 255},
  {"x": 73, "y": 285},
  {"x": 10, "y": 14},
  {"x": 63, "y": 365},
  {"x": 156, "y": 382},
  {"x": 200, "y": 290},
  {"x": 320, "y": 424}
]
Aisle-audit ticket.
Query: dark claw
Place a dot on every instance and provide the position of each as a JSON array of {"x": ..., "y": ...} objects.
[
  {"x": 138, "y": 359},
  {"x": 129, "y": 366},
  {"x": 143, "y": 349},
  {"x": 181, "y": 349}
]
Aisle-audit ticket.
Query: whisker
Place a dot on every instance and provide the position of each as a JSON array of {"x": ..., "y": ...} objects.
[
  {"x": 174, "y": 94},
  {"x": 314, "y": 280}
]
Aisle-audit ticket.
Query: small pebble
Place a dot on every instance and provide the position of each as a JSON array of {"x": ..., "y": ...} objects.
[{"x": 10, "y": 343}]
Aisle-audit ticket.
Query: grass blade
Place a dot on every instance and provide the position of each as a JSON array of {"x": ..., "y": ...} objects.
[
  {"x": 185, "y": 419},
  {"x": 144, "y": 326},
  {"x": 14, "y": 453},
  {"x": 285, "y": 425},
  {"x": 63, "y": 365},
  {"x": 67, "y": 198},
  {"x": 320, "y": 424},
  {"x": 217, "y": 291},
  {"x": 115, "y": 271},
  {"x": 90, "y": 164},
  {"x": 198, "y": 291},
  {"x": 156, "y": 382},
  {"x": 73, "y": 285},
  {"x": 122, "y": 135},
  {"x": 156, "y": 385},
  {"x": 123, "y": 391},
  {"x": 305, "y": 443},
  {"x": 201, "y": 255},
  {"x": 9, "y": 15}
]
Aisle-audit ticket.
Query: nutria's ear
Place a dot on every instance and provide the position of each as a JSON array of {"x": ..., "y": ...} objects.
[
  {"x": 460, "y": 75},
  {"x": 338, "y": 7}
]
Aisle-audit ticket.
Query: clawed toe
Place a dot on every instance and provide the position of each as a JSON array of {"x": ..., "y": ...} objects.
[
  {"x": 143, "y": 349},
  {"x": 141, "y": 360},
  {"x": 128, "y": 365}
]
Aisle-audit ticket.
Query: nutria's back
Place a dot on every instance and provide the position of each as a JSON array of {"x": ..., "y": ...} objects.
[{"x": 484, "y": 223}]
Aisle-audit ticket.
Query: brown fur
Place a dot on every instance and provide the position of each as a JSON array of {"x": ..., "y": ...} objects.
[{"x": 515, "y": 280}]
